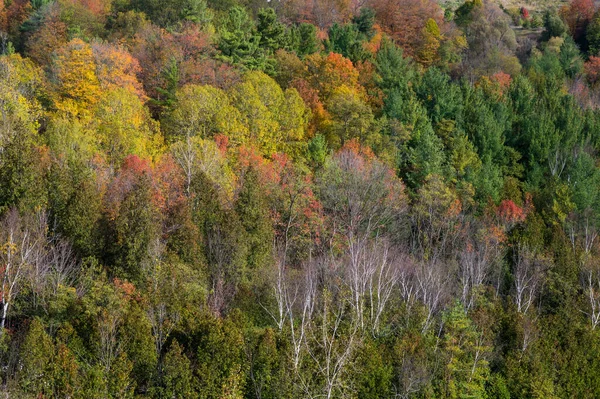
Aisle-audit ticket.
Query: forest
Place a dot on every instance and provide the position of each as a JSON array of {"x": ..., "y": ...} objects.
[{"x": 264, "y": 199}]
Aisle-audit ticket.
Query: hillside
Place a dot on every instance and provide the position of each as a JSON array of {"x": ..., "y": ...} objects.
[{"x": 250, "y": 199}]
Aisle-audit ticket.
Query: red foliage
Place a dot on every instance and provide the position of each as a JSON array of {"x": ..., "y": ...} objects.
[
  {"x": 222, "y": 142},
  {"x": 132, "y": 171},
  {"x": 524, "y": 13},
  {"x": 577, "y": 15},
  {"x": 168, "y": 185},
  {"x": 310, "y": 96},
  {"x": 509, "y": 213},
  {"x": 190, "y": 49},
  {"x": 592, "y": 69},
  {"x": 249, "y": 157}
]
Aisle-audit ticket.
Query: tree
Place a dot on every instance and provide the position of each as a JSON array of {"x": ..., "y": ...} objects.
[
  {"x": 178, "y": 376},
  {"x": 592, "y": 69},
  {"x": 528, "y": 269},
  {"x": 252, "y": 211},
  {"x": 577, "y": 16},
  {"x": 37, "y": 352},
  {"x": 273, "y": 34},
  {"x": 76, "y": 87},
  {"x": 553, "y": 25},
  {"x": 239, "y": 42},
  {"x": 172, "y": 13},
  {"x": 133, "y": 220},
  {"x": 491, "y": 42},
  {"x": 404, "y": 20},
  {"x": 224, "y": 243},
  {"x": 326, "y": 73},
  {"x": 428, "y": 50},
  {"x": 275, "y": 120},
  {"x": 203, "y": 111},
  {"x": 22, "y": 240},
  {"x": 351, "y": 117},
  {"x": 348, "y": 41},
  {"x": 116, "y": 68},
  {"x": 304, "y": 37},
  {"x": 593, "y": 35},
  {"x": 44, "y": 33},
  {"x": 123, "y": 126},
  {"x": 220, "y": 354},
  {"x": 466, "y": 370}
]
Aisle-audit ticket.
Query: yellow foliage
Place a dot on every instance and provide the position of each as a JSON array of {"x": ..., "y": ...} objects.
[
  {"x": 76, "y": 86},
  {"x": 123, "y": 126}
]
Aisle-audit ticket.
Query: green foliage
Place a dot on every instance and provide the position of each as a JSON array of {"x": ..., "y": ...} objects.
[
  {"x": 251, "y": 208},
  {"x": 466, "y": 369},
  {"x": 593, "y": 35},
  {"x": 304, "y": 38},
  {"x": 220, "y": 368},
  {"x": 171, "y": 13},
  {"x": 273, "y": 35},
  {"x": 239, "y": 41},
  {"x": 553, "y": 25},
  {"x": 37, "y": 353},
  {"x": 348, "y": 41},
  {"x": 214, "y": 199},
  {"x": 177, "y": 374}
]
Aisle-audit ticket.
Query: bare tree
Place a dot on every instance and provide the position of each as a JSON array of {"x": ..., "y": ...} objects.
[
  {"x": 591, "y": 283},
  {"x": 163, "y": 310},
  {"x": 408, "y": 283},
  {"x": 332, "y": 337},
  {"x": 433, "y": 283},
  {"x": 372, "y": 272},
  {"x": 481, "y": 253},
  {"x": 186, "y": 155},
  {"x": 300, "y": 317},
  {"x": 21, "y": 239},
  {"x": 109, "y": 321},
  {"x": 384, "y": 281},
  {"x": 528, "y": 277}
]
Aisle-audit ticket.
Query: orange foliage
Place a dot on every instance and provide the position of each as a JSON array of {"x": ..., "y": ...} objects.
[
  {"x": 310, "y": 96},
  {"x": 52, "y": 35},
  {"x": 126, "y": 290},
  {"x": 13, "y": 15},
  {"x": 495, "y": 85},
  {"x": 115, "y": 68},
  {"x": 249, "y": 157},
  {"x": 97, "y": 7},
  {"x": 326, "y": 73},
  {"x": 367, "y": 79},
  {"x": 362, "y": 152},
  {"x": 404, "y": 20},
  {"x": 222, "y": 142},
  {"x": 168, "y": 184}
]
